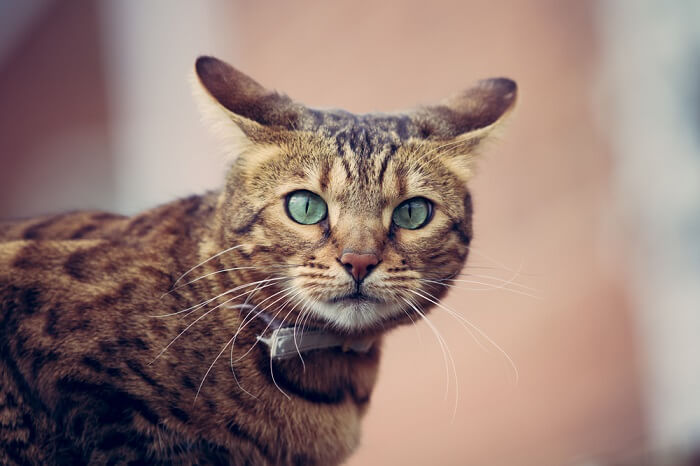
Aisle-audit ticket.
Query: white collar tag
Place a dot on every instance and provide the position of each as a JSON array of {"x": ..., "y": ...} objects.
[{"x": 285, "y": 343}]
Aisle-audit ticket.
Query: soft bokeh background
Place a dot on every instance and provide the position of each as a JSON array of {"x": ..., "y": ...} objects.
[{"x": 587, "y": 212}]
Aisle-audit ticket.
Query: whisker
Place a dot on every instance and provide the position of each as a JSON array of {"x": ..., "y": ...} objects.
[
  {"x": 435, "y": 151},
  {"x": 446, "y": 353},
  {"x": 303, "y": 364},
  {"x": 460, "y": 318},
  {"x": 488, "y": 286},
  {"x": 207, "y": 301},
  {"x": 209, "y": 370},
  {"x": 469, "y": 330},
  {"x": 193, "y": 323},
  {"x": 272, "y": 374},
  {"x": 205, "y": 261},
  {"x": 231, "y": 269},
  {"x": 269, "y": 323},
  {"x": 306, "y": 303},
  {"x": 233, "y": 372},
  {"x": 415, "y": 326},
  {"x": 478, "y": 252},
  {"x": 509, "y": 281}
]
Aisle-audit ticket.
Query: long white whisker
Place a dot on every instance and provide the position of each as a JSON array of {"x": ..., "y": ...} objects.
[
  {"x": 205, "y": 261},
  {"x": 210, "y": 368},
  {"x": 439, "y": 339},
  {"x": 205, "y": 302},
  {"x": 505, "y": 281},
  {"x": 488, "y": 286},
  {"x": 272, "y": 374},
  {"x": 271, "y": 320},
  {"x": 446, "y": 353},
  {"x": 231, "y": 269},
  {"x": 476, "y": 329},
  {"x": 435, "y": 151},
  {"x": 415, "y": 326},
  {"x": 305, "y": 303},
  {"x": 194, "y": 322},
  {"x": 303, "y": 364},
  {"x": 491, "y": 259},
  {"x": 246, "y": 321},
  {"x": 233, "y": 372}
]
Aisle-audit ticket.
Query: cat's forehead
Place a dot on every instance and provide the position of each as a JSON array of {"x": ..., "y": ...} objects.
[{"x": 363, "y": 135}]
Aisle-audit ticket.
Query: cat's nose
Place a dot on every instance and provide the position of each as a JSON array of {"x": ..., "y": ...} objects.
[{"x": 359, "y": 265}]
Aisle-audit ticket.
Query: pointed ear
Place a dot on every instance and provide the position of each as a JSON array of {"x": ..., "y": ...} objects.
[
  {"x": 234, "y": 97},
  {"x": 473, "y": 114},
  {"x": 462, "y": 123}
]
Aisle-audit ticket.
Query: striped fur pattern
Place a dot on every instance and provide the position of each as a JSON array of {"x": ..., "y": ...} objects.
[{"x": 114, "y": 349}]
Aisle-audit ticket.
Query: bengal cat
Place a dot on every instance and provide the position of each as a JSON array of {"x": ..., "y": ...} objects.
[{"x": 242, "y": 326}]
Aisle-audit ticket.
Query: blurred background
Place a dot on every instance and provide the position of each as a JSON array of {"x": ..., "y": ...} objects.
[{"x": 587, "y": 213}]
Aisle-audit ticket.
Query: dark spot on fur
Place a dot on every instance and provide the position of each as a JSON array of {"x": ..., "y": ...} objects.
[
  {"x": 34, "y": 231},
  {"x": 463, "y": 236},
  {"x": 76, "y": 266},
  {"x": 187, "y": 382},
  {"x": 84, "y": 230},
  {"x": 240, "y": 432},
  {"x": 195, "y": 202},
  {"x": 110, "y": 404},
  {"x": 135, "y": 342},
  {"x": 51, "y": 327},
  {"x": 254, "y": 219},
  {"x": 112, "y": 440},
  {"x": 78, "y": 425},
  {"x": 385, "y": 164},
  {"x": 138, "y": 370},
  {"x": 92, "y": 363},
  {"x": 114, "y": 372},
  {"x": 180, "y": 414}
]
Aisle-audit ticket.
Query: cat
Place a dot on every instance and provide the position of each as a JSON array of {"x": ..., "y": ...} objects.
[{"x": 242, "y": 326}]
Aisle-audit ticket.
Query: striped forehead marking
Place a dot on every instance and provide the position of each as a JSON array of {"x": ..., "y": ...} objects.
[{"x": 364, "y": 135}]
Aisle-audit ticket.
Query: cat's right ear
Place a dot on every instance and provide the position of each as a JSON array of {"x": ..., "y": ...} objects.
[
  {"x": 463, "y": 123},
  {"x": 229, "y": 97},
  {"x": 472, "y": 115}
]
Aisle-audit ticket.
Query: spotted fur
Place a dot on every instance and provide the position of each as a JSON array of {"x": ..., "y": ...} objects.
[{"x": 88, "y": 375}]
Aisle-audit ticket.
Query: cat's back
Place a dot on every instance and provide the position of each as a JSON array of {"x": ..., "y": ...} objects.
[
  {"x": 76, "y": 291},
  {"x": 173, "y": 217},
  {"x": 66, "y": 226}
]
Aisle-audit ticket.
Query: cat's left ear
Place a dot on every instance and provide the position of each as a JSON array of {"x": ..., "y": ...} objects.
[
  {"x": 470, "y": 116},
  {"x": 230, "y": 97}
]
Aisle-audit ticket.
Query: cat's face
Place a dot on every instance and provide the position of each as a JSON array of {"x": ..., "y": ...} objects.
[{"x": 356, "y": 220}]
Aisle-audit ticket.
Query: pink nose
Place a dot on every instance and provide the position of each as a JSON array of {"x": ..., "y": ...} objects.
[{"x": 359, "y": 265}]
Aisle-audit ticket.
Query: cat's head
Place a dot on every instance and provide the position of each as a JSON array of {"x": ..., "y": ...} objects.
[{"x": 358, "y": 221}]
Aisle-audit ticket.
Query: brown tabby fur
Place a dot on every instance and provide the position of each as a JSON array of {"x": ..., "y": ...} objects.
[{"x": 83, "y": 375}]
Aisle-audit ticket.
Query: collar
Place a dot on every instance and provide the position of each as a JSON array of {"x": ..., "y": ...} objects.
[{"x": 285, "y": 342}]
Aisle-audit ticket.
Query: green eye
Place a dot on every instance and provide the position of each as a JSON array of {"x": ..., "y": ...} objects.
[
  {"x": 413, "y": 213},
  {"x": 306, "y": 207}
]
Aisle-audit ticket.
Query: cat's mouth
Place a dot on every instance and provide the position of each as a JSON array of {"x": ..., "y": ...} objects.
[{"x": 356, "y": 297}]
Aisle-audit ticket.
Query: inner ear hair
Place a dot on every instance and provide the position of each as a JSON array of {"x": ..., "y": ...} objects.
[
  {"x": 470, "y": 115},
  {"x": 252, "y": 107}
]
